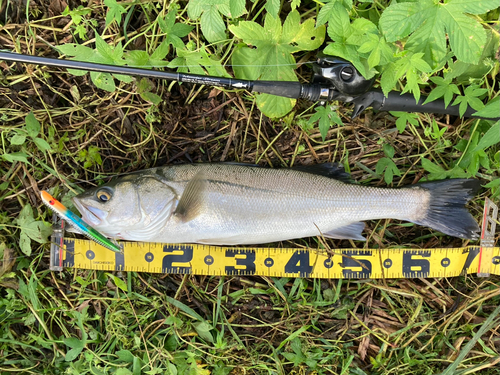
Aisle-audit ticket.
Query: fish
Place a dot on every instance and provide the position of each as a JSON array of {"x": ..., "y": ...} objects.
[{"x": 239, "y": 204}]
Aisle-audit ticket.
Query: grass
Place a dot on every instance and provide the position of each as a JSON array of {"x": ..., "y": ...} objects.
[{"x": 92, "y": 322}]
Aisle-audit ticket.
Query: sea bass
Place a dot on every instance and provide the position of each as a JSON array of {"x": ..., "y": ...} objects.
[{"x": 231, "y": 204}]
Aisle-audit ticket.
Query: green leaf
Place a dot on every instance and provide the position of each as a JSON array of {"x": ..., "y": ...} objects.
[
  {"x": 71, "y": 49},
  {"x": 273, "y": 7},
  {"x": 470, "y": 98},
  {"x": 491, "y": 110},
  {"x": 32, "y": 125},
  {"x": 125, "y": 356},
  {"x": 37, "y": 230},
  {"x": 203, "y": 329},
  {"x": 194, "y": 61},
  {"x": 272, "y": 59},
  {"x": 174, "y": 32},
  {"x": 16, "y": 156},
  {"x": 430, "y": 22},
  {"x": 429, "y": 166},
  {"x": 339, "y": 23},
  {"x": 490, "y": 138},
  {"x": 151, "y": 97},
  {"x": 18, "y": 139},
  {"x": 388, "y": 150},
  {"x": 118, "y": 282},
  {"x": 325, "y": 115},
  {"x": 115, "y": 12},
  {"x": 444, "y": 88},
  {"x": 42, "y": 144},
  {"x": 103, "y": 81},
  {"x": 74, "y": 342},
  {"x": 212, "y": 24},
  {"x": 25, "y": 244},
  {"x": 403, "y": 118}
]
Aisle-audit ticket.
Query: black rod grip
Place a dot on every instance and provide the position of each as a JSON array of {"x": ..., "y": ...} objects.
[
  {"x": 406, "y": 103},
  {"x": 286, "y": 89}
]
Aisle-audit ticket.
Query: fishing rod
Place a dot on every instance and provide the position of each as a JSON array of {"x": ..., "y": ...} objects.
[{"x": 333, "y": 79}]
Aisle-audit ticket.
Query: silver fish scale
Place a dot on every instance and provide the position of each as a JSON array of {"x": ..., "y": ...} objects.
[{"x": 255, "y": 205}]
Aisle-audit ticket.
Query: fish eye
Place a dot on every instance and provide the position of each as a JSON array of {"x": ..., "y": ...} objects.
[{"x": 103, "y": 195}]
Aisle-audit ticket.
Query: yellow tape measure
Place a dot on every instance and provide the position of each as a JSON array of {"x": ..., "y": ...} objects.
[
  {"x": 217, "y": 261},
  {"x": 338, "y": 263}
]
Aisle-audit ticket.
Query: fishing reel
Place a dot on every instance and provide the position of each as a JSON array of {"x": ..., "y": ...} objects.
[
  {"x": 336, "y": 79},
  {"x": 340, "y": 77}
]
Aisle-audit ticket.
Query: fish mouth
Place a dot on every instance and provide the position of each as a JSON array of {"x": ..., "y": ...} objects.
[{"x": 91, "y": 215}]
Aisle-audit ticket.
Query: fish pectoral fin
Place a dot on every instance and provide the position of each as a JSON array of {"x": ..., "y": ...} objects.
[
  {"x": 191, "y": 202},
  {"x": 348, "y": 232}
]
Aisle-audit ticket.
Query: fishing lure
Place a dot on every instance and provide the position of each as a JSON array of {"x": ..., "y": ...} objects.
[{"x": 77, "y": 223}]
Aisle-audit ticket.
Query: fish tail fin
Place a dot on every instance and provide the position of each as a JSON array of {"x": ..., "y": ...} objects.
[{"x": 447, "y": 212}]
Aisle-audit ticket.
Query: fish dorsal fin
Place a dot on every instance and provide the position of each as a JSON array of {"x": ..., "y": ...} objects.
[
  {"x": 348, "y": 232},
  {"x": 331, "y": 170},
  {"x": 191, "y": 202}
]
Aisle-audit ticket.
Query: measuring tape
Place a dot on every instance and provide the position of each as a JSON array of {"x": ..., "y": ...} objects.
[{"x": 287, "y": 262}]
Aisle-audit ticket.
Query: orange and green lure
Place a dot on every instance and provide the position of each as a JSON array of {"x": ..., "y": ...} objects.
[{"x": 77, "y": 223}]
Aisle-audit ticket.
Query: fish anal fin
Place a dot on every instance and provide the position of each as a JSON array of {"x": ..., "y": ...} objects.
[
  {"x": 347, "y": 232},
  {"x": 191, "y": 202},
  {"x": 330, "y": 170}
]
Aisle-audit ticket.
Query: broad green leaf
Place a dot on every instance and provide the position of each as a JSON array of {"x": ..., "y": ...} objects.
[
  {"x": 151, "y": 97},
  {"x": 32, "y": 125},
  {"x": 490, "y": 138},
  {"x": 25, "y": 244},
  {"x": 203, "y": 329},
  {"x": 339, "y": 23},
  {"x": 25, "y": 216},
  {"x": 272, "y": 59},
  {"x": 212, "y": 25},
  {"x": 491, "y": 110},
  {"x": 74, "y": 342},
  {"x": 125, "y": 356},
  {"x": 400, "y": 19},
  {"x": 273, "y": 7},
  {"x": 37, "y": 230},
  {"x": 42, "y": 144},
  {"x": 72, "y": 354},
  {"x": 71, "y": 49},
  {"x": 237, "y": 8},
  {"x": 328, "y": 11},
  {"x": 348, "y": 40},
  {"x": 429, "y": 166},
  {"x": 429, "y": 21},
  {"x": 18, "y": 139},
  {"x": 103, "y": 81},
  {"x": 107, "y": 54},
  {"x": 434, "y": 49},
  {"x": 388, "y": 150},
  {"x": 16, "y": 156}
]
